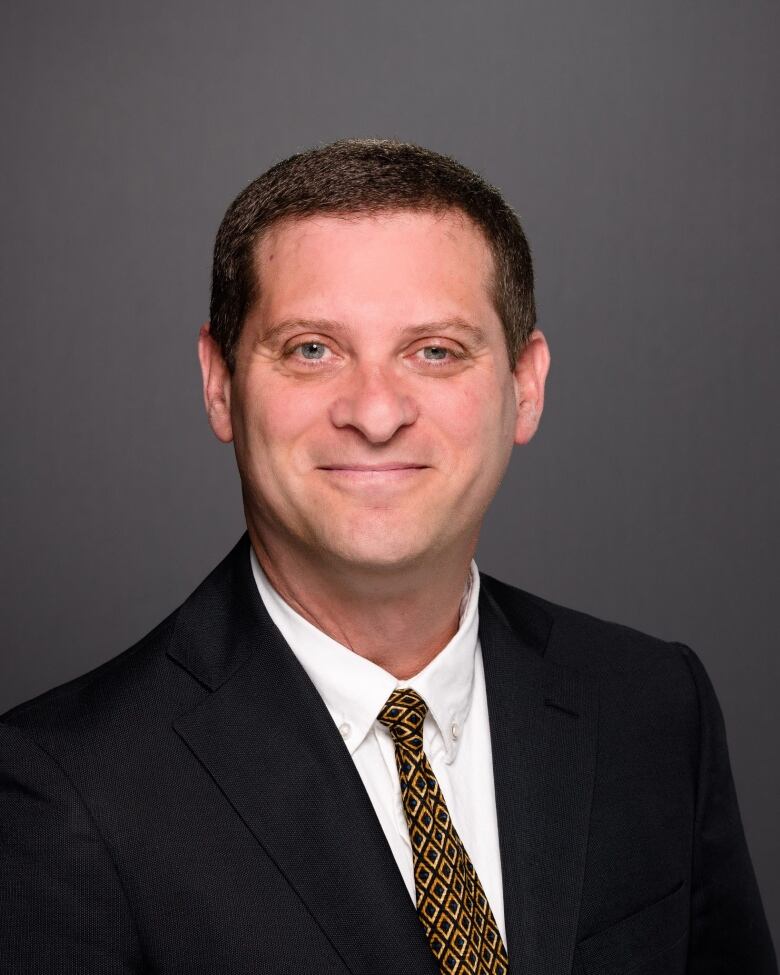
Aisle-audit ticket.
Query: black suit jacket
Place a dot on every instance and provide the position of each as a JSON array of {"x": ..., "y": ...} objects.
[{"x": 190, "y": 807}]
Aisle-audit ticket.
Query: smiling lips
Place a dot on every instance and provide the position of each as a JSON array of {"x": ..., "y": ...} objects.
[
  {"x": 393, "y": 465},
  {"x": 374, "y": 473}
]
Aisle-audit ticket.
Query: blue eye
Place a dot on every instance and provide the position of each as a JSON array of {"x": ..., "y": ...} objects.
[
  {"x": 440, "y": 351},
  {"x": 312, "y": 350}
]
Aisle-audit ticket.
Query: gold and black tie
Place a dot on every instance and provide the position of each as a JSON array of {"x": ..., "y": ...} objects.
[{"x": 451, "y": 903}]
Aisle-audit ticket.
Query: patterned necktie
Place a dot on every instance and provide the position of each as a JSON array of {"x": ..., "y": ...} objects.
[{"x": 452, "y": 906}]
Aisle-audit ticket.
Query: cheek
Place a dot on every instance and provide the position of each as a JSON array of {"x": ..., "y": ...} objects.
[
  {"x": 276, "y": 422},
  {"x": 476, "y": 421}
]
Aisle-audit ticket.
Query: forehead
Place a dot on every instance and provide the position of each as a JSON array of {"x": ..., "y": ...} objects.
[{"x": 402, "y": 256}]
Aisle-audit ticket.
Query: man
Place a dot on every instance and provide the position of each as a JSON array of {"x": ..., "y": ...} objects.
[{"x": 348, "y": 750}]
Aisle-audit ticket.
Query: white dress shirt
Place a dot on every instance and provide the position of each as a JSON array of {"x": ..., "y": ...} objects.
[{"x": 456, "y": 734}]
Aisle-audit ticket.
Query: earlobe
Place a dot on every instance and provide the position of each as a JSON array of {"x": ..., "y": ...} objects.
[
  {"x": 216, "y": 385},
  {"x": 530, "y": 374}
]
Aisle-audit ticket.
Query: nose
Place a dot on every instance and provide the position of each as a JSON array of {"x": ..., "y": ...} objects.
[{"x": 375, "y": 404}]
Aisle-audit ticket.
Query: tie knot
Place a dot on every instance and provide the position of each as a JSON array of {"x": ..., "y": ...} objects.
[{"x": 403, "y": 715}]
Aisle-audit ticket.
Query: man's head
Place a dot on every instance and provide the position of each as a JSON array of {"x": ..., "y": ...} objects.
[
  {"x": 366, "y": 383},
  {"x": 366, "y": 176}
]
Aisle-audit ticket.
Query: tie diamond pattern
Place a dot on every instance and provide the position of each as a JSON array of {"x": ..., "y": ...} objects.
[{"x": 451, "y": 903}]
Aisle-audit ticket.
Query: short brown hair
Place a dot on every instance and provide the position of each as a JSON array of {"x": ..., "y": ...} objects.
[{"x": 367, "y": 176}]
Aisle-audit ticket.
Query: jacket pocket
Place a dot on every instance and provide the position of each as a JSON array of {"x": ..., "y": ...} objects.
[{"x": 622, "y": 947}]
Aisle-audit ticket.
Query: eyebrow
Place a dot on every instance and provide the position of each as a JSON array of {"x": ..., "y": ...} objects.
[{"x": 457, "y": 325}]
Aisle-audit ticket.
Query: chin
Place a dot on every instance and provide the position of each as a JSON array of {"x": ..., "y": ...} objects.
[{"x": 378, "y": 554}]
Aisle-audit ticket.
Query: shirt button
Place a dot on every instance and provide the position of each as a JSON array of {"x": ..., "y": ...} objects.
[
  {"x": 345, "y": 730},
  {"x": 455, "y": 730}
]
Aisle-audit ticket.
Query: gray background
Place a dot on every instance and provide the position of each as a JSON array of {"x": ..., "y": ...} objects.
[{"x": 639, "y": 143}]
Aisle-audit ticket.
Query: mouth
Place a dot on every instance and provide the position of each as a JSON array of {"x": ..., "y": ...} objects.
[
  {"x": 373, "y": 474},
  {"x": 375, "y": 468}
]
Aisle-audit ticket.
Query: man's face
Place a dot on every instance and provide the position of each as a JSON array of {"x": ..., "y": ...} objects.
[{"x": 372, "y": 406}]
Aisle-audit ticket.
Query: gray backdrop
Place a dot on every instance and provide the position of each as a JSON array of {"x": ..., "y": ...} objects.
[{"x": 639, "y": 143}]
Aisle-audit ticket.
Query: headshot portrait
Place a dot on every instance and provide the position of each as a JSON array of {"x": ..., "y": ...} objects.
[{"x": 390, "y": 564}]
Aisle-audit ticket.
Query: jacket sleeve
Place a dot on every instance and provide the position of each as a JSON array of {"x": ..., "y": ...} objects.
[
  {"x": 62, "y": 907},
  {"x": 728, "y": 932}
]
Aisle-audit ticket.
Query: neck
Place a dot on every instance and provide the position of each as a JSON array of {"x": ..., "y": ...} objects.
[{"x": 399, "y": 620}]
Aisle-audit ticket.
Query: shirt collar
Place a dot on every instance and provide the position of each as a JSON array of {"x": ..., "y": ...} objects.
[{"x": 355, "y": 689}]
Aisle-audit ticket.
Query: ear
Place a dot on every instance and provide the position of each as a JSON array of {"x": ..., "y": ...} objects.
[
  {"x": 529, "y": 376},
  {"x": 216, "y": 385}
]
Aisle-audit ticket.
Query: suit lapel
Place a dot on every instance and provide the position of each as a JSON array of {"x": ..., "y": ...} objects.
[
  {"x": 266, "y": 738},
  {"x": 543, "y": 736}
]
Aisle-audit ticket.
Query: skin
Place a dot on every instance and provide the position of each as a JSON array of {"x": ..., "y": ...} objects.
[{"x": 373, "y": 412}]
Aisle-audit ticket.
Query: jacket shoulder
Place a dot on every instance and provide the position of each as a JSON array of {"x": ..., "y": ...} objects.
[
  {"x": 581, "y": 640},
  {"x": 651, "y": 692},
  {"x": 100, "y": 695},
  {"x": 143, "y": 677}
]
